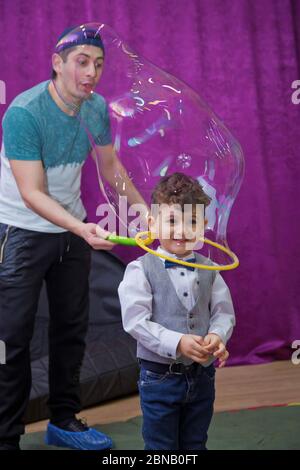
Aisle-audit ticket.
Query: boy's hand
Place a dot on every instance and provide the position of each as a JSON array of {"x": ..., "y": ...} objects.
[
  {"x": 214, "y": 345},
  {"x": 211, "y": 342},
  {"x": 223, "y": 358},
  {"x": 192, "y": 346}
]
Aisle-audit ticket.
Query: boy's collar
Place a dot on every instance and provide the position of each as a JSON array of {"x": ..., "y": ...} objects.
[{"x": 172, "y": 255}]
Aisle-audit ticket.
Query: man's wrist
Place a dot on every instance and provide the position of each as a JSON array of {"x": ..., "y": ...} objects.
[{"x": 77, "y": 228}]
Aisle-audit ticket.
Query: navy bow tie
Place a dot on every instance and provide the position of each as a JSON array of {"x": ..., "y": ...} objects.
[{"x": 171, "y": 264}]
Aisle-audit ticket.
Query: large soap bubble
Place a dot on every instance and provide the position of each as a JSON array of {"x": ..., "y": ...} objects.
[{"x": 159, "y": 126}]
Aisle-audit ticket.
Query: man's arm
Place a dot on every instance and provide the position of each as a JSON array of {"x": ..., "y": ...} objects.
[
  {"x": 116, "y": 175},
  {"x": 30, "y": 178}
]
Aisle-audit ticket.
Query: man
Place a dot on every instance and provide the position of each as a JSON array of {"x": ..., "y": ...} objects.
[{"x": 44, "y": 235}]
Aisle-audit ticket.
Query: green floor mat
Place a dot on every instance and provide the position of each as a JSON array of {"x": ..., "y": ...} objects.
[{"x": 263, "y": 428}]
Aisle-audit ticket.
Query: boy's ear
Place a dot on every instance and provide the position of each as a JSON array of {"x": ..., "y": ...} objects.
[
  {"x": 151, "y": 224},
  {"x": 150, "y": 219}
]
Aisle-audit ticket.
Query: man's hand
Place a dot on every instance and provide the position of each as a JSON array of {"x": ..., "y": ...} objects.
[
  {"x": 95, "y": 236},
  {"x": 192, "y": 346},
  {"x": 214, "y": 345}
]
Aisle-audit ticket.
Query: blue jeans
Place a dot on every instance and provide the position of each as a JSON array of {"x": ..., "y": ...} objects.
[{"x": 177, "y": 409}]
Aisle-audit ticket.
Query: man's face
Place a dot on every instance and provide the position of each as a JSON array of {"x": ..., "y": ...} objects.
[{"x": 81, "y": 71}]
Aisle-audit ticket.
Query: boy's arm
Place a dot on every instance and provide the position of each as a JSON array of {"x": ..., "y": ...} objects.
[
  {"x": 222, "y": 320},
  {"x": 136, "y": 306}
]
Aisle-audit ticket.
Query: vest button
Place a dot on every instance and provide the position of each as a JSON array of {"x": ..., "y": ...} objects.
[
  {"x": 198, "y": 283},
  {"x": 182, "y": 274},
  {"x": 192, "y": 326},
  {"x": 191, "y": 315},
  {"x": 185, "y": 294}
]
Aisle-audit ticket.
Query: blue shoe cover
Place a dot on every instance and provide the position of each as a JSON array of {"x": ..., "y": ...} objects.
[{"x": 91, "y": 439}]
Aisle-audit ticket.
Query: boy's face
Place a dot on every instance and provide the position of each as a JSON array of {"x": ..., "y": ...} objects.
[
  {"x": 178, "y": 229},
  {"x": 81, "y": 71}
]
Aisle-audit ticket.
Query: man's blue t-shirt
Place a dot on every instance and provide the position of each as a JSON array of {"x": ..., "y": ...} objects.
[{"x": 35, "y": 128}]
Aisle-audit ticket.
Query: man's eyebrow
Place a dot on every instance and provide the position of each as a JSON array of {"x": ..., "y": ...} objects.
[{"x": 88, "y": 55}]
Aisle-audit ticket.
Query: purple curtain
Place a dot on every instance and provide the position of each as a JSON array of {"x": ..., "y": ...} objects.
[{"x": 241, "y": 56}]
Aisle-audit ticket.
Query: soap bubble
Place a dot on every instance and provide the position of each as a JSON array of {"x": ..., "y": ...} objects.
[
  {"x": 159, "y": 126},
  {"x": 184, "y": 161}
]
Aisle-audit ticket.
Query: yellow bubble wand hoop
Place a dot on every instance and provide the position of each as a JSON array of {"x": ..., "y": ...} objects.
[{"x": 142, "y": 243}]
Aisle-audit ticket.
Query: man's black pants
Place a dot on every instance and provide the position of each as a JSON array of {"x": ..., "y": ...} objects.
[{"x": 26, "y": 259}]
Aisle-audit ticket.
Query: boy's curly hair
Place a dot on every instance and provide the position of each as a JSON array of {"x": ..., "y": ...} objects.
[{"x": 179, "y": 188}]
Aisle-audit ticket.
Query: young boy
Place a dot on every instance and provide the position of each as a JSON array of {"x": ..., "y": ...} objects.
[{"x": 181, "y": 318}]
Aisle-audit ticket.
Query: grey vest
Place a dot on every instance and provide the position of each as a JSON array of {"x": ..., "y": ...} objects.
[{"x": 167, "y": 309}]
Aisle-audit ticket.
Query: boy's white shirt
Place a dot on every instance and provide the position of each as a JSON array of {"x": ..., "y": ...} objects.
[{"x": 136, "y": 304}]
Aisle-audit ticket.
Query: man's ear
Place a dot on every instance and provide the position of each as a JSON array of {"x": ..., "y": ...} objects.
[
  {"x": 205, "y": 222},
  {"x": 56, "y": 62}
]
